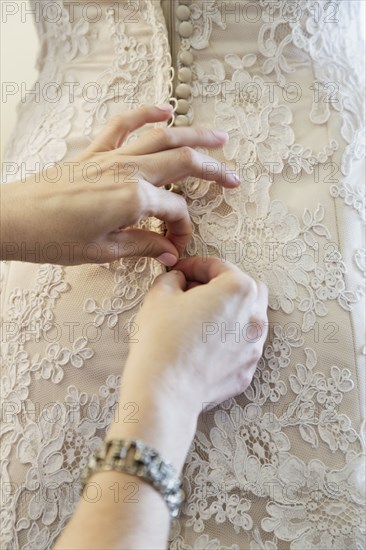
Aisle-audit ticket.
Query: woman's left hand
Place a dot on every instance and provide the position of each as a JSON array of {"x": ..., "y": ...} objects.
[{"x": 89, "y": 211}]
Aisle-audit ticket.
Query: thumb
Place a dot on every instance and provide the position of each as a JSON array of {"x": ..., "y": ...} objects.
[{"x": 141, "y": 243}]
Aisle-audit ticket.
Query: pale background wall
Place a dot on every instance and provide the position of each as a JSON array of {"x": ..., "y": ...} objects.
[{"x": 19, "y": 45}]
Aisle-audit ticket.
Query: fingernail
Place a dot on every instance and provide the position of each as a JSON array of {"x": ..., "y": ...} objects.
[
  {"x": 222, "y": 134},
  {"x": 167, "y": 259},
  {"x": 165, "y": 107},
  {"x": 233, "y": 178}
]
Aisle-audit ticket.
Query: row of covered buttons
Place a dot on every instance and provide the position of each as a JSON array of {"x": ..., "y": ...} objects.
[{"x": 183, "y": 89}]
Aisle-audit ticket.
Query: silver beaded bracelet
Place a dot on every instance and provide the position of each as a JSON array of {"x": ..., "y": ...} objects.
[{"x": 132, "y": 456}]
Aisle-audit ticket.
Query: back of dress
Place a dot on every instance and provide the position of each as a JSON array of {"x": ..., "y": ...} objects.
[{"x": 281, "y": 466}]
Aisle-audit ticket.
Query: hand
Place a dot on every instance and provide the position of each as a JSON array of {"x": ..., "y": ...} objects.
[
  {"x": 88, "y": 217},
  {"x": 185, "y": 354}
]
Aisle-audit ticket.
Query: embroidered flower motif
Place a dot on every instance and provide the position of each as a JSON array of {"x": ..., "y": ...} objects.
[
  {"x": 36, "y": 537},
  {"x": 132, "y": 281},
  {"x": 245, "y": 446},
  {"x": 324, "y": 512},
  {"x": 336, "y": 431},
  {"x": 272, "y": 387},
  {"x": 110, "y": 391},
  {"x": 57, "y": 357},
  {"x": 203, "y": 15},
  {"x": 331, "y": 390},
  {"x": 41, "y": 446},
  {"x": 327, "y": 285},
  {"x": 267, "y": 241},
  {"x": 257, "y": 125},
  {"x": 360, "y": 260},
  {"x": 69, "y": 35},
  {"x": 258, "y": 544},
  {"x": 353, "y": 195},
  {"x": 15, "y": 378},
  {"x": 46, "y": 143},
  {"x": 203, "y": 542}
]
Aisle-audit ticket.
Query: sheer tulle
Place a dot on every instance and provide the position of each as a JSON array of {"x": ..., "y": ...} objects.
[{"x": 281, "y": 466}]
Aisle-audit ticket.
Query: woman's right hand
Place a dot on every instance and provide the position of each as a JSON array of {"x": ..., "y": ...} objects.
[{"x": 200, "y": 333}]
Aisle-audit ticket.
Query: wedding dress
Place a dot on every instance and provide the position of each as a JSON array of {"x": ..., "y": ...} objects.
[{"x": 281, "y": 466}]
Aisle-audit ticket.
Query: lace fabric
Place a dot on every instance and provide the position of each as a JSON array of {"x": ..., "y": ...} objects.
[{"x": 280, "y": 467}]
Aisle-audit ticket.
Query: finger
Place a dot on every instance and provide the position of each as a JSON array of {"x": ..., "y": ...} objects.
[
  {"x": 119, "y": 126},
  {"x": 175, "y": 164},
  {"x": 162, "y": 139},
  {"x": 172, "y": 281},
  {"x": 204, "y": 270},
  {"x": 228, "y": 278},
  {"x": 134, "y": 202},
  {"x": 141, "y": 243},
  {"x": 173, "y": 210},
  {"x": 192, "y": 285}
]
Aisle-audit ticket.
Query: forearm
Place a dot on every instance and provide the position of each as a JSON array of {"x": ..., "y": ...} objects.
[
  {"x": 119, "y": 512},
  {"x": 130, "y": 514},
  {"x": 8, "y": 221},
  {"x": 18, "y": 221}
]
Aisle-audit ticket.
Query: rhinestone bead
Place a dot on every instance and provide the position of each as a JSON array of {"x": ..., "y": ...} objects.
[
  {"x": 183, "y": 91},
  {"x": 185, "y": 74},
  {"x": 185, "y": 29}
]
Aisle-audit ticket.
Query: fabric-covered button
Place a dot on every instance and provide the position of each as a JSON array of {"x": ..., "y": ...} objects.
[
  {"x": 182, "y": 107},
  {"x": 185, "y": 74},
  {"x": 185, "y": 29},
  {"x": 183, "y": 91},
  {"x": 186, "y": 57},
  {"x": 183, "y": 13},
  {"x": 181, "y": 120}
]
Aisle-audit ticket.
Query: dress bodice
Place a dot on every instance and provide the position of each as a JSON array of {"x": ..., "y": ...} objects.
[{"x": 279, "y": 467}]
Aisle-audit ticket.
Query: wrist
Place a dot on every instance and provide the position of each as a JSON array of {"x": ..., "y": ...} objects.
[
  {"x": 147, "y": 413},
  {"x": 16, "y": 225},
  {"x": 9, "y": 222}
]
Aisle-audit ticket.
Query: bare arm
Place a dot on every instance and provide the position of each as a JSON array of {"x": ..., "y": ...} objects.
[
  {"x": 170, "y": 373},
  {"x": 131, "y": 514}
]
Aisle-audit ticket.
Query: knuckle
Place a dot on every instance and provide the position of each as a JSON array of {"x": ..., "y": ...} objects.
[
  {"x": 236, "y": 284},
  {"x": 244, "y": 379},
  {"x": 204, "y": 133},
  {"x": 186, "y": 155},
  {"x": 259, "y": 321},
  {"x": 116, "y": 121},
  {"x": 256, "y": 353},
  {"x": 161, "y": 136},
  {"x": 182, "y": 204},
  {"x": 251, "y": 287},
  {"x": 137, "y": 199},
  {"x": 145, "y": 110},
  {"x": 242, "y": 284}
]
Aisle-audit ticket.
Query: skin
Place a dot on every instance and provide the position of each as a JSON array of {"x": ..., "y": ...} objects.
[
  {"x": 129, "y": 188},
  {"x": 171, "y": 373}
]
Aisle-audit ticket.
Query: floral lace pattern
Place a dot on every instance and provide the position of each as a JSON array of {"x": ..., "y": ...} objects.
[{"x": 280, "y": 466}]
